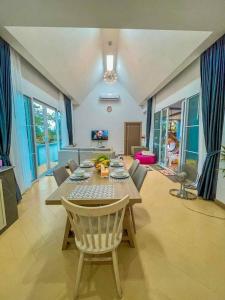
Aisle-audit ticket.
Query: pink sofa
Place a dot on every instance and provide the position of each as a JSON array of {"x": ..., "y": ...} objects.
[{"x": 145, "y": 159}]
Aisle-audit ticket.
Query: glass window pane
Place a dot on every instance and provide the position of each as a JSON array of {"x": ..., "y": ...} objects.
[
  {"x": 192, "y": 139},
  {"x": 156, "y": 136},
  {"x": 156, "y": 150},
  {"x": 157, "y": 120},
  {"x": 60, "y": 129},
  {"x": 30, "y": 135},
  {"x": 39, "y": 123},
  {"x": 191, "y": 159},
  {"x": 156, "y": 142},
  {"x": 163, "y": 135},
  {"x": 51, "y": 123},
  {"x": 52, "y": 136},
  {"x": 193, "y": 111},
  {"x": 40, "y": 137}
]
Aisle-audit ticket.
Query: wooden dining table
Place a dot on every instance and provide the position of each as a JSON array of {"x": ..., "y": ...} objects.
[{"x": 120, "y": 187}]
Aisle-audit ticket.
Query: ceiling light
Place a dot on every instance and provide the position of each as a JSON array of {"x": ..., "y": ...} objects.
[
  {"x": 110, "y": 76},
  {"x": 109, "y": 62}
]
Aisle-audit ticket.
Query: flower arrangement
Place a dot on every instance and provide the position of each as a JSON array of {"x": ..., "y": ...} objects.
[{"x": 101, "y": 160}]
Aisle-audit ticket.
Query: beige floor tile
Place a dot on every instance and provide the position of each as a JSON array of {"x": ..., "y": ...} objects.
[{"x": 179, "y": 254}]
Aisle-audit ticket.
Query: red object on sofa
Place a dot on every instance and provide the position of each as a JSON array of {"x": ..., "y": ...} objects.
[{"x": 145, "y": 159}]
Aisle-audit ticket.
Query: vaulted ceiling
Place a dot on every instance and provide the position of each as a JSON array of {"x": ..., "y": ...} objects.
[
  {"x": 147, "y": 58},
  {"x": 168, "y": 38},
  {"x": 72, "y": 56}
]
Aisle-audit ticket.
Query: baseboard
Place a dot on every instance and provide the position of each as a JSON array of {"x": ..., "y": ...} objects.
[{"x": 221, "y": 204}]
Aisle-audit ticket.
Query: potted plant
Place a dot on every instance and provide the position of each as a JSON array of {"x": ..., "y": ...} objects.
[{"x": 101, "y": 160}]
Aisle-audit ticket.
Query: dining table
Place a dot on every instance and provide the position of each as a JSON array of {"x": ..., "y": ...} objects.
[{"x": 97, "y": 191}]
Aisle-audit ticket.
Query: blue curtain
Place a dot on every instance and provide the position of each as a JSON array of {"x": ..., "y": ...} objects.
[
  {"x": 149, "y": 121},
  {"x": 6, "y": 106},
  {"x": 69, "y": 122},
  {"x": 212, "y": 65}
]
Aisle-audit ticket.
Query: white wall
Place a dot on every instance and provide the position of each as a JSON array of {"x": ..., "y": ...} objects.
[
  {"x": 186, "y": 84},
  {"x": 220, "y": 195},
  {"x": 37, "y": 86},
  {"x": 92, "y": 114}
]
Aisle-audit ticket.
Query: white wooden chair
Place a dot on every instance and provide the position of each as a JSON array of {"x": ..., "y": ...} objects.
[{"x": 98, "y": 230}]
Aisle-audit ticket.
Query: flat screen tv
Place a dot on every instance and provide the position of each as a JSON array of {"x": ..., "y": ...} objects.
[{"x": 99, "y": 135}]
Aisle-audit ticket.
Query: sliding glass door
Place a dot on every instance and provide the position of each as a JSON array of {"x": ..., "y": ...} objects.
[
  {"x": 52, "y": 137},
  {"x": 191, "y": 134},
  {"x": 40, "y": 137},
  {"x": 46, "y": 137},
  {"x": 156, "y": 139},
  {"x": 30, "y": 136},
  {"x": 164, "y": 135},
  {"x": 176, "y": 134}
]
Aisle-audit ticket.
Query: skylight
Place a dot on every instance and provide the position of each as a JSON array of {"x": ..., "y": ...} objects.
[{"x": 109, "y": 62}]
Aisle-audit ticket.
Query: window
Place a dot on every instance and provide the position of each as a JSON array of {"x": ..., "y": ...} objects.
[
  {"x": 60, "y": 128},
  {"x": 30, "y": 136},
  {"x": 46, "y": 136},
  {"x": 43, "y": 135},
  {"x": 191, "y": 146},
  {"x": 156, "y": 140}
]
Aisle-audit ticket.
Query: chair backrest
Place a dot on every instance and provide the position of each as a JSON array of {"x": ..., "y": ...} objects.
[
  {"x": 139, "y": 176},
  {"x": 60, "y": 175},
  {"x": 97, "y": 228},
  {"x": 133, "y": 167},
  {"x": 72, "y": 165}
]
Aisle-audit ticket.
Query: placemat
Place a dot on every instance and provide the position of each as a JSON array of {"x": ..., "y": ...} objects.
[{"x": 92, "y": 192}]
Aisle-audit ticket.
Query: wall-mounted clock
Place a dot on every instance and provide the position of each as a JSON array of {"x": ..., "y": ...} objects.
[{"x": 109, "y": 108}]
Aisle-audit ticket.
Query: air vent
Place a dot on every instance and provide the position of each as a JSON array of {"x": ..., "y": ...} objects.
[{"x": 109, "y": 97}]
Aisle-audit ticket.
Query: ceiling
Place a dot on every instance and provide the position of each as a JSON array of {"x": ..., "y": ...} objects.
[
  {"x": 169, "y": 35},
  {"x": 197, "y": 15},
  {"x": 74, "y": 56},
  {"x": 147, "y": 58}
]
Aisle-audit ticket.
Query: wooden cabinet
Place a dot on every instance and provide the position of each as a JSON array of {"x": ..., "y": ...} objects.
[
  {"x": 2, "y": 208},
  {"x": 8, "y": 202}
]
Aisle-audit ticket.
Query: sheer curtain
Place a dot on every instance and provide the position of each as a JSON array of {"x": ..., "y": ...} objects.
[{"x": 19, "y": 153}]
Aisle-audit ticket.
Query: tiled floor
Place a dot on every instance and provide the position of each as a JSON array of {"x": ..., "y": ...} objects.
[{"x": 180, "y": 254}]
